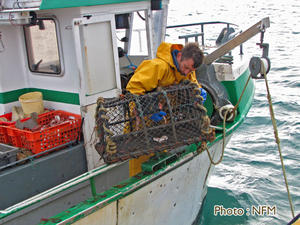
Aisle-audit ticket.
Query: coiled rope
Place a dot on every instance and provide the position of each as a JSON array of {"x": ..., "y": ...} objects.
[{"x": 204, "y": 146}]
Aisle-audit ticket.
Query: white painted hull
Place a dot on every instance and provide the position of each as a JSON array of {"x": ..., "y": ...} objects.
[{"x": 173, "y": 198}]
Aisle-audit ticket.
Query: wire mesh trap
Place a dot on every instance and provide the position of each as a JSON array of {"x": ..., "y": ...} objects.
[{"x": 131, "y": 125}]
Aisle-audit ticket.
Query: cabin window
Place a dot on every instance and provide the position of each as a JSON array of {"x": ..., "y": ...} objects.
[
  {"x": 139, "y": 37},
  {"x": 132, "y": 42},
  {"x": 131, "y": 33},
  {"x": 42, "y": 47}
]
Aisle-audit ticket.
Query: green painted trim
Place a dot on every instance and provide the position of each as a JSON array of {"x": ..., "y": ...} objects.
[
  {"x": 127, "y": 186},
  {"x": 56, "y": 4},
  {"x": 123, "y": 189},
  {"x": 11, "y": 96},
  {"x": 59, "y": 96},
  {"x": 235, "y": 88},
  {"x": 48, "y": 95}
]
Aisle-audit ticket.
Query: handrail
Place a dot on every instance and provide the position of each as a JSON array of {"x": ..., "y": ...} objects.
[
  {"x": 20, "y": 6},
  {"x": 59, "y": 188},
  {"x": 191, "y": 35},
  {"x": 202, "y": 26},
  {"x": 19, "y": 10},
  {"x": 201, "y": 23}
]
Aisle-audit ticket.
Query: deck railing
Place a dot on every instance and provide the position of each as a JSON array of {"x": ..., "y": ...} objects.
[{"x": 196, "y": 35}]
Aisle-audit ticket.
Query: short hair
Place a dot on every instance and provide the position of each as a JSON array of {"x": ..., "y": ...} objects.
[{"x": 192, "y": 50}]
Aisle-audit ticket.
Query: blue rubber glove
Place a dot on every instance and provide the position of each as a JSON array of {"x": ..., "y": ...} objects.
[
  {"x": 203, "y": 95},
  {"x": 156, "y": 117}
]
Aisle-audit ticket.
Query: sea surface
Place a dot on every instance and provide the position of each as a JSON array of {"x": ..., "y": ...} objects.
[{"x": 250, "y": 175}]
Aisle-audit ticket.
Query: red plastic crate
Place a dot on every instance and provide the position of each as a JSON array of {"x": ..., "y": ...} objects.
[
  {"x": 4, "y": 138},
  {"x": 14, "y": 136},
  {"x": 8, "y": 117},
  {"x": 4, "y": 132},
  {"x": 48, "y": 137}
]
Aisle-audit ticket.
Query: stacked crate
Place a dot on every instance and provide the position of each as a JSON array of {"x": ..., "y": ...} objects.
[{"x": 54, "y": 129}]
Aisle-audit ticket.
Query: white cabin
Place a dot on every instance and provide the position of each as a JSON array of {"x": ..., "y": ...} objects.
[{"x": 68, "y": 50}]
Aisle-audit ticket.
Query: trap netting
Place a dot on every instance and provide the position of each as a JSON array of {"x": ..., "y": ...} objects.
[{"x": 131, "y": 125}]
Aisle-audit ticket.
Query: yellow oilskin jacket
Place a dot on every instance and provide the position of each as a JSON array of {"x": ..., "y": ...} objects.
[
  {"x": 151, "y": 74},
  {"x": 158, "y": 72}
]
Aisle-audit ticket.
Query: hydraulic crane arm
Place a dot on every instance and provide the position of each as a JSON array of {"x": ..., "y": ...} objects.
[{"x": 239, "y": 39}]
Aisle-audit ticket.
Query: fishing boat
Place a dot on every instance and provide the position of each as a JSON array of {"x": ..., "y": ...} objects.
[{"x": 77, "y": 52}]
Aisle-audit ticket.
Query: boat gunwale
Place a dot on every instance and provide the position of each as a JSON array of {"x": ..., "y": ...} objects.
[
  {"x": 146, "y": 179},
  {"x": 134, "y": 184}
]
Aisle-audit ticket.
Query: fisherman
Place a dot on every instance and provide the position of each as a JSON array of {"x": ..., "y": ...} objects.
[{"x": 173, "y": 63}]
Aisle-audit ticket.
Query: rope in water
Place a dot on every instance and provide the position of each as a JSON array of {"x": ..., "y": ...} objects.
[
  {"x": 275, "y": 134},
  {"x": 277, "y": 139}
]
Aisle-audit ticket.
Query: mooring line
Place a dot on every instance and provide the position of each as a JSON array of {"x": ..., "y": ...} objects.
[{"x": 277, "y": 138}]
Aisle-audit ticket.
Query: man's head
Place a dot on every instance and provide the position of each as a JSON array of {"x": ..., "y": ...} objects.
[{"x": 189, "y": 58}]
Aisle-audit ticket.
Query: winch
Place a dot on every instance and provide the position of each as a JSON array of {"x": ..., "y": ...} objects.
[{"x": 260, "y": 65}]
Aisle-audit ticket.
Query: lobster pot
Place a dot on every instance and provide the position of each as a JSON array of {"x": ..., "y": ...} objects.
[{"x": 131, "y": 126}]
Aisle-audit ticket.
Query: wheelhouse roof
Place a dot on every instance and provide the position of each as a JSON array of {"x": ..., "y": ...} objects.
[{"x": 55, "y": 4}]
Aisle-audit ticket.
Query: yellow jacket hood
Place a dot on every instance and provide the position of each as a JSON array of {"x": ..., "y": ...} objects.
[{"x": 164, "y": 52}]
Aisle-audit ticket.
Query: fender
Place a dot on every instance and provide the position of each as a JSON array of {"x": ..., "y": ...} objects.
[
  {"x": 225, "y": 35},
  {"x": 206, "y": 76}
]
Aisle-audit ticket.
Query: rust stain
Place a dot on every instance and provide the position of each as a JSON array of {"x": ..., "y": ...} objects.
[{"x": 120, "y": 185}]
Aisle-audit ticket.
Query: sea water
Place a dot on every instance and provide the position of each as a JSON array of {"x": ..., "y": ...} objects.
[{"x": 250, "y": 176}]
